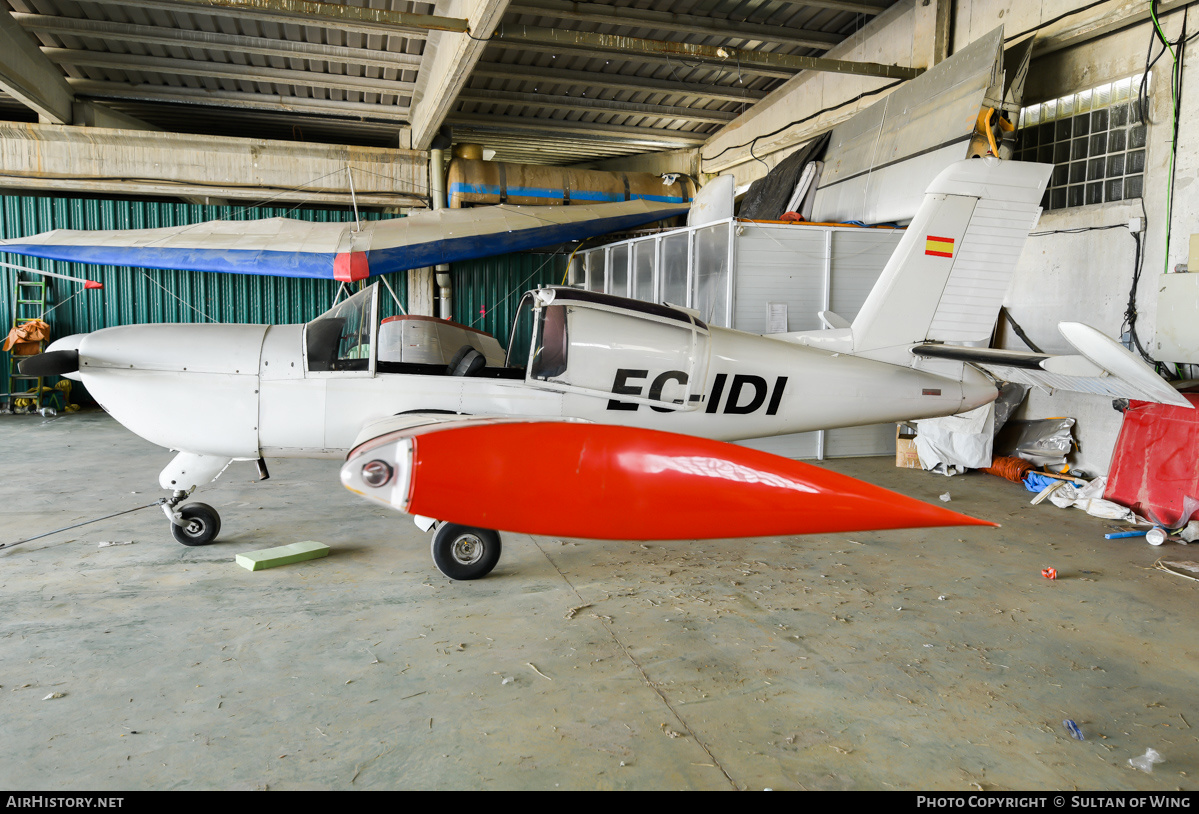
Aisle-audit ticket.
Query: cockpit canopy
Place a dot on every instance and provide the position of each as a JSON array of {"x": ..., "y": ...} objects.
[
  {"x": 347, "y": 337},
  {"x": 563, "y": 339}
]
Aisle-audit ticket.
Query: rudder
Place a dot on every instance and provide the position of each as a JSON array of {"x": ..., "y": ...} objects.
[{"x": 947, "y": 277}]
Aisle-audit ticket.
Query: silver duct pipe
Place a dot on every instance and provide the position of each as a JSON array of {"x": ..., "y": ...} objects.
[{"x": 445, "y": 304}]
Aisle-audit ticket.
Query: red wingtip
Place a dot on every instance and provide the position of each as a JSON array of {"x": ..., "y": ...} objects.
[{"x": 92, "y": 284}]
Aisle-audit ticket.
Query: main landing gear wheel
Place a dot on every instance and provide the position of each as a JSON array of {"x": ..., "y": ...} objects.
[
  {"x": 465, "y": 552},
  {"x": 201, "y": 524}
]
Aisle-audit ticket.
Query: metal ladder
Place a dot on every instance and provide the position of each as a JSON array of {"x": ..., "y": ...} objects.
[{"x": 29, "y": 303}]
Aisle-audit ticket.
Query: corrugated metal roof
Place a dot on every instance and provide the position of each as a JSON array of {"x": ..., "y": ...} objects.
[{"x": 260, "y": 69}]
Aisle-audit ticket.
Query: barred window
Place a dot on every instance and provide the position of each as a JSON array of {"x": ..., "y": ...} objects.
[{"x": 1095, "y": 141}]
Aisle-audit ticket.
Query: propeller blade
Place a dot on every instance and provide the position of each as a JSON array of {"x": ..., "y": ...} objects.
[
  {"x": 618, "y": 483},
  {"x": 51, "y": 363}
]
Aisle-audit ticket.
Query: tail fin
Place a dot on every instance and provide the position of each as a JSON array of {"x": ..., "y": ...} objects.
[{"x": 950, "y": 272}]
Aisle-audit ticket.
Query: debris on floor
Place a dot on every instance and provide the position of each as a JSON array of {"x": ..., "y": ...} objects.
[
  {"x": 282, "y": 555},
  {"x": 1145, "y": 762},
  {"x": 1190, "y": 532},
  {"x": 1177, "y": 567},
  {"x": 1088, "y": 497},
  {"x": 538, "y": 672},
  {"x": 1120, "y": 535}
]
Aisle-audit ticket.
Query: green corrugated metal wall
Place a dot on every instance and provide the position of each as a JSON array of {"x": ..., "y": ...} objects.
[
  {"x": 488, "y": 291},
  {"x": 132, "y": 296}
]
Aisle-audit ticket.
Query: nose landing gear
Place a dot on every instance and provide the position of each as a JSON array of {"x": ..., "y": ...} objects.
[
  {"x": 193, "y": 524},
  {"x": 465, "y": 552},
  {"x": 200, "y": 524}
]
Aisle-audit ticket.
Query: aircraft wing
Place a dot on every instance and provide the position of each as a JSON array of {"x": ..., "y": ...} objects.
[
  {"x": 572, "y": 478},
  {"x": 1103, "y": 367},
  {"x": 293, "y": 248}
]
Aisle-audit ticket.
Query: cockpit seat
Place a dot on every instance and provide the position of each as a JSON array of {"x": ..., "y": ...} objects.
[
  {"x": 324, "y": 336},
  {"x": 467, "y": 362}
]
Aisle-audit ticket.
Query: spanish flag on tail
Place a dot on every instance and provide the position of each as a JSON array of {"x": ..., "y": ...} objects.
[{"x": 938, "y": 246}]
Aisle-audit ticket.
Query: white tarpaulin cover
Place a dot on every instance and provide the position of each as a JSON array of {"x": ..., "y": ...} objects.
[{"x": 959, "y": 442}]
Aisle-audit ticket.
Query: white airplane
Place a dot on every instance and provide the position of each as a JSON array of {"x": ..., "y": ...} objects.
[{"x": 610, "y": 422}]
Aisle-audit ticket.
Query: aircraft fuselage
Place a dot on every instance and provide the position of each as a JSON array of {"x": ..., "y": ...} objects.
[{"x": 243, "y": 391}]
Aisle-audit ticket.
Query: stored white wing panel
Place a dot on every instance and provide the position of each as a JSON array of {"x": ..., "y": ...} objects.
[{"x": 879, "y": 162}]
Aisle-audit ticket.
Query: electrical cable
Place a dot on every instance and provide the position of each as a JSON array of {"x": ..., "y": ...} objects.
[
  {"x": 1020, "y": 331},
  {"x": 1175, "y": 90},
  {"x": 1056, "y": 19},
  {"x": 1177, "y": 52},
  {"x": 1142, "y": 111},
  {"x": 829, "y": 109},
  {"x": 1078, "y": 229},
  {"x": 1182, "y": 41}
]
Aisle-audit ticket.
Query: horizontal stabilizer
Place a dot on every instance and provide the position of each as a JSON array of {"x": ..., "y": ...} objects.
[
  {"x": 617, "y": 483},
  {"x": 1103, "y": 367},
  {"x": 340, "y": 251},
  {"x": 982, "y": 356}
]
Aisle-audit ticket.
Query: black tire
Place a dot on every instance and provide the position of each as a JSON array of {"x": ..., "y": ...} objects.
[
  {"x": 201, "y": 524},
  {"x": 465, "y": 552}
]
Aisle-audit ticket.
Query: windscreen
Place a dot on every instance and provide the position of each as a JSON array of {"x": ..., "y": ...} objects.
[
  {"x": 340, "y": 338},
  {"x": 521, "y": 336},
  {"x": 626, "y": 356}
]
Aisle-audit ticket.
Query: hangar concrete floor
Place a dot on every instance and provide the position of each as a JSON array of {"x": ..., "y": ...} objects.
[{"x": 929, "y": 659}]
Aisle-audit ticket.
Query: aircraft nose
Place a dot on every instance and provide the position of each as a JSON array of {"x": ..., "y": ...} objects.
[
  {"x": 71, "y": 342},
  {"x": 380, "y": 472}
]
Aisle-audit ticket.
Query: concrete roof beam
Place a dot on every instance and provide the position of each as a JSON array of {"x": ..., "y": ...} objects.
[
  {"x": 449, "y": 60},
  {"x": 29, "y": 76}
]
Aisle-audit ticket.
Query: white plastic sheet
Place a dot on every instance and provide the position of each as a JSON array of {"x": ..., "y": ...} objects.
[
  {"x": 1089, "y": 498},
  {"x": 957, "y": 442}
]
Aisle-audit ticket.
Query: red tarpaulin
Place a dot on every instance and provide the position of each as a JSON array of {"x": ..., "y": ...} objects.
[{"x": 1156, "y": 461}]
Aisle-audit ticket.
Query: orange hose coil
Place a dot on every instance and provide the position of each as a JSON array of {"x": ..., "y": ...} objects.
[{"x": 1013, "y": 469}]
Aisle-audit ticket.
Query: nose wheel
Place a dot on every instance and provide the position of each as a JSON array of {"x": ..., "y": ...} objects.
[
  {"x": 200, "y": 525},
  {"x": 465, "y": 552}
]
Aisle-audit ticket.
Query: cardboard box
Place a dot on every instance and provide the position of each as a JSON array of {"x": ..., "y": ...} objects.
[{"x": 905, "y": 446}]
